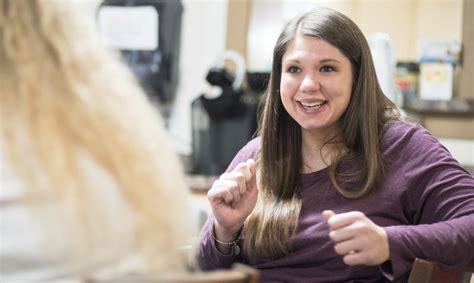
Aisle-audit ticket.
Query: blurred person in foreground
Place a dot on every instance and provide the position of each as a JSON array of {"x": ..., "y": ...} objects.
[
  {"x": 89, "y": 184},
  {"x": 341, "y": 189}
]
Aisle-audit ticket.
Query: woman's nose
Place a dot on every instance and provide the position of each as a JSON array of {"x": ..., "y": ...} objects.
[{"x": 310, "y": 83}]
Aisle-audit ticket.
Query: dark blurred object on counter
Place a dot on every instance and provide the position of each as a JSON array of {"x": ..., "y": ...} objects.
[
  {"x": 148, "y": 34},
  {"x": 407, "y": 79},
  {"x": 258, "y": 81},
  {"x": 224, "y": 119}
]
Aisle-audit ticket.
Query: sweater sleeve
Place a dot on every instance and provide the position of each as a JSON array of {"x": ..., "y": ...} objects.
[
  {"x": 208, "y": 256},
  {"x": 440, "y": 208}
]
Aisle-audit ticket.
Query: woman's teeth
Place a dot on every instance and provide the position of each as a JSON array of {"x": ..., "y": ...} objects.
[{"x": 312, "y": 105}]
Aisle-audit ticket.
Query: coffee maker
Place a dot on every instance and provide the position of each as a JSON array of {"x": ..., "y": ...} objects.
[{"x": 224, "y": 118}]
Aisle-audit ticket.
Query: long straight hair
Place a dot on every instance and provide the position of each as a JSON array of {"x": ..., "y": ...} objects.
[
  {"x": 65, "y": 98},
  {"x": 275, "y": 218}
]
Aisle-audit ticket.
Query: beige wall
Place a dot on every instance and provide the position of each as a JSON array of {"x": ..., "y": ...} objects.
[
  {"x": 409, "y": 21},
  {"x": 238, "y": 14},
  {"x": 406, "y": 21},
  {"x": 397, "y": 18},
  {"x": 466, "y": 88}
]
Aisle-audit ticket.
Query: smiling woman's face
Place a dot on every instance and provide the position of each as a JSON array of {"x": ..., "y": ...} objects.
[{"x": 316, "y": 84}]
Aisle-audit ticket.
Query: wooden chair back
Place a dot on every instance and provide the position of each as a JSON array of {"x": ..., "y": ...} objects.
[
  {"x": 238, "y": 274},
  {"x": 424, "y": 271}
]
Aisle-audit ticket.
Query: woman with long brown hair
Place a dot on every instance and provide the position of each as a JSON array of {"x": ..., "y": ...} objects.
[
  {"x": 89, "y": 182},
  {"x": 341, "y": 188}
]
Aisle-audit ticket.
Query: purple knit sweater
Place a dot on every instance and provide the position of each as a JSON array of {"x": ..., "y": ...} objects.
[{"x": 425, "y": 202}]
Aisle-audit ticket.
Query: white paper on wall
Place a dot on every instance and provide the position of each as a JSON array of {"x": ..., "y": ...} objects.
[
  {"x": 436, "y": 81},
  {"x": 129, "y": 28}
]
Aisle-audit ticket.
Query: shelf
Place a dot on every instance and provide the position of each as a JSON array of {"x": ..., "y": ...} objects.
[{"x": 456, "y": 107}]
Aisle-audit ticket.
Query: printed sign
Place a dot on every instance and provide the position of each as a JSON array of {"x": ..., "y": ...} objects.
[{"x": 129, "y": 28}]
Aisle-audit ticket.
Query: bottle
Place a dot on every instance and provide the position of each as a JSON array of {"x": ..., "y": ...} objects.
[{"x": 407, "y": 79}]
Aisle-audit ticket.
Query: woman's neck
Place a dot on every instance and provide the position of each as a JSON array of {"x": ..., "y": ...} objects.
[{"x": 318, "y": 151}]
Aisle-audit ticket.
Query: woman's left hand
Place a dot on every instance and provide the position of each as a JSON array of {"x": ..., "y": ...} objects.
[{"x": 357, "y": 238}]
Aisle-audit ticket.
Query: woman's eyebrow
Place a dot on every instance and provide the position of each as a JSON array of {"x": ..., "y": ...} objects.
[
  {"x": 297, "y": 60},
  {"x": 290, "y": 59},
  {"x": 329, "y": 60}
]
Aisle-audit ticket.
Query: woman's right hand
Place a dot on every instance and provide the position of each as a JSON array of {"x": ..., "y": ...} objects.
[{"x": 233, "y": 197}]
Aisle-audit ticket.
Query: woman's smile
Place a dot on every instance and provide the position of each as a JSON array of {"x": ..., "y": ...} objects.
[{"x": 312, "y": 106}]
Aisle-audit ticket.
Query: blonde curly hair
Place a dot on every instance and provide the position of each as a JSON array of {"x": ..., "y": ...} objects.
[{"x": 66, "y": 98}]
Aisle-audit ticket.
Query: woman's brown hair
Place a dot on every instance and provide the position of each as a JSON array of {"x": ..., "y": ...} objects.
[{"x": 275, "y": 217}]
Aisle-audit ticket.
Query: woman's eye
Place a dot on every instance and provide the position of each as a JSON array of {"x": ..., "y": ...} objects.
[
  {"x": 326, "y": 69},
  {"x": 293, "y": 69}
]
